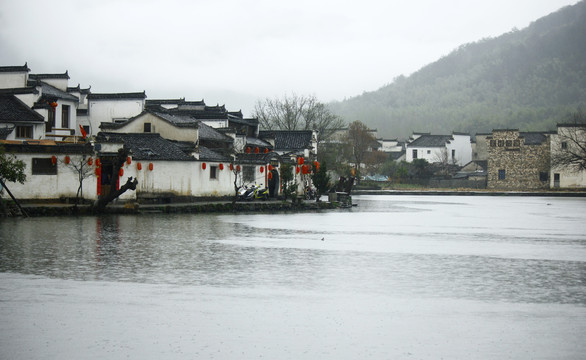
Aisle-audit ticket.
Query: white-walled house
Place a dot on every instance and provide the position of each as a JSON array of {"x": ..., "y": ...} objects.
[
  {"x": 51, "y": 169},
  {"x": 450, "y": 149},
  {"x": 112, "y": 108},
  {"x": 569, "y": 137}
]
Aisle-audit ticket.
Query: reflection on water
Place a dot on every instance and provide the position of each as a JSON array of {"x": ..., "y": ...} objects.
[{"x": 493, "y": 249}]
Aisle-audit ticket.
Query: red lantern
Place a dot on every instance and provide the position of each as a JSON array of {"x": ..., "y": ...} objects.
[
  {"x": 221, "y": 167},
  {"x": 248, "y": 149},
  {"x": 203, "y": 166},
  {"x": 304, "y": 169},
  {"x": 316, "y": 164},
  {"x": 128, "y": 160},
  {"x": 270, "y": 167},
  {"x": 262, "y": 169},
  {"x": 231, "y": 167},
  {"x": 237, "y": 168},
  {"x": 53, "y": 159},
  {"x": 151, "y": 166},
  {"x": 139, "y": 166},
  {"x": 266, "y": 150},
  {"x": 90, "y": 162},
  {"x": 300, "y": 160},
  {"x": 256, "y": 150},
  {"x": 53, "y": 105},
  {"x": 121, "y": 172},
  {"x": 270, "y": 176},
  {"x": 297, "y": 169},
  {"x": 67, "y": 159}
]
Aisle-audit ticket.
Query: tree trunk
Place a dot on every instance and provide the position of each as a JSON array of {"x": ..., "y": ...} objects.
[{"x": 105, "y": 200}]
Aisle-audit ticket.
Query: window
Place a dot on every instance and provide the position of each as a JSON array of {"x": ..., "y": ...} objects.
[
  {"x": 50, "y": 124},
  {"x": 65, "y": 116},
  {"x": 453, "y": 153},
  {"x": 516, "y": 143},
  {"x": 543, "y": 176},
  {"x": 25, "y": 132},
  {"x": 86, "y": 128},
  {"x": 492, "y": 143},
  {"x": 502, "y": 174},
  {"x": 248, "y": 174},
  {"x": 43, "y": 166},
  {"x": 428, "y": 151},
  {"x": 564, "y": 145},
  {"x": 147, "y": 127},
  {"x": 414, "y": 153},
  {"x": 213, "y": 172},
  {"x": 501, "y": 143},
  {"x": 509, "y": 143}
]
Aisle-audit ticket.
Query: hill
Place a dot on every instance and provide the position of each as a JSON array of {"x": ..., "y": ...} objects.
[{"x": 528, "y": 79}]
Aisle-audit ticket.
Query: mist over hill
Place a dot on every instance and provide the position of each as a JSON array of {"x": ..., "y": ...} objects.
[{"x": 528, "y": 79}]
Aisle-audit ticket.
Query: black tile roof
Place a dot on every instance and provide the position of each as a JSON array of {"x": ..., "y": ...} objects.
[
  {"x": 49, "y": 76},
  {"x": 15, "y": 68},
  {"x": 207, "y": 132},
  {"x": 431, "y": 141},
  {"x": 13, "y": 110},
  {"x": 210, "y": 155},
  {"x": 252, "y": 141},
  {"x": 117, "y": 96},
  {"x": 288, "y": 139},
  {"x": 147, "y": 146},
  {"x": 49, "y": 91}
]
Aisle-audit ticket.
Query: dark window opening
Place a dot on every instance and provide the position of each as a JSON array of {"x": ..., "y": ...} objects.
[
  {"x": 414, "y": 153},
  {"x": 50, "y": 124},
  {"x": 213, "y": 172},
  {"x": 564, "y": 145},
  {"x": 502, "y": 174},
  {"x": 147, "y": 127},
  {"x": 44, "y": 166},
  {"x": 543, "y": 176},
  {"x": 25, "y": 132},
  {"x": 65, "y": 116}
]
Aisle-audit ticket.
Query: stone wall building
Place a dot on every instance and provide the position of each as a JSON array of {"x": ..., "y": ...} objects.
[{"x": 518, "y": 161}]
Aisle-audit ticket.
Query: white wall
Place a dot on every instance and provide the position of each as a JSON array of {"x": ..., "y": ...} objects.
[
  {"x": 64, "y": 184},
  {"x": 569, "y": 178},
  {"x": 107, "y": 110},
  {"x": 463, "y": 147},
  {"x": 11, "y": 80}
]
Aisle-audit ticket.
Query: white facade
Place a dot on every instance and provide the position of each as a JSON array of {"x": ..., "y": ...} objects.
[
  {"x": 455, "y": 150},
  {"x": 13, "y": 80},
  {"x": 563, "y": 176},
  {"x": 160, "y": 126},
  {"x": 112, "y": 110},
  {"x": 460, "y": 149},
  {"x": 63, "y": 184}
]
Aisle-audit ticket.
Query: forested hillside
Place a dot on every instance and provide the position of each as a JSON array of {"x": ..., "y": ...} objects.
[{"x": 528, "y": 79}]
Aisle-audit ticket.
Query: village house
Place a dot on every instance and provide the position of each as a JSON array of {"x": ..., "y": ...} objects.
[
  {"x": 518, "y": 160},
  {"x": 178, "y": 149},
  {"x": 568, "y": 138},
  {"x": 448, "y": 149}
]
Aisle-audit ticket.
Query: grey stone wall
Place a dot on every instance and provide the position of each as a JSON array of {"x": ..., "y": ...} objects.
[{"x": 525, "y": 167}]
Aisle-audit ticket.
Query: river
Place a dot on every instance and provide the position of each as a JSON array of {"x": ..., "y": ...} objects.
[{"x": 396, "y": 277}]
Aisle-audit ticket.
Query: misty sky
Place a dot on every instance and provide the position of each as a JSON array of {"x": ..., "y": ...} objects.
[{"x": 235, "y": 52}]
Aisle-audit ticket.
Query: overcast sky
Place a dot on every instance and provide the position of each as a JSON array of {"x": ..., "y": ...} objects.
[{"x": 235, "y": 52}]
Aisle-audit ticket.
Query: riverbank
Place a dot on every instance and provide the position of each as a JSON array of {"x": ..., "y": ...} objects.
[
  {"x": 577, "y": 193},
  {"x": 62, "y": 209}
]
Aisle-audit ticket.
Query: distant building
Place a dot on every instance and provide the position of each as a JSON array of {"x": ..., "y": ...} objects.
[
  {"x": 518, "y": 160},
  {"x": 569, "y": 137},
  {"x": 449, "y": 149}
]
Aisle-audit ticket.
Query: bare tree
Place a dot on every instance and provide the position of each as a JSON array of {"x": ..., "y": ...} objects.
[
  {"x": 360, "y": 141},
  {"x": 569, "y": 149},
  {"x": 297, "y": 113},
  {"x": 83, "y": 171}
]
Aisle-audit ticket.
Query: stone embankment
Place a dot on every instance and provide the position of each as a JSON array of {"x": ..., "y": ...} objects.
[
  {"x": 577, "y": 193},
  {"x": 58, "y": 209}
]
